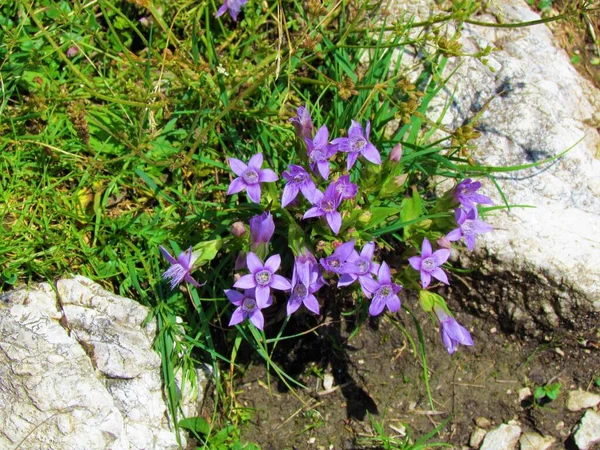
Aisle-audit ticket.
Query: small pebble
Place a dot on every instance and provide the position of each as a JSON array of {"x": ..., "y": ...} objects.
[
  {"x": 477, "y": 437},
  {"x": 482, "y": 422},
  {"x": 559, "y": 351},
  {"x": 524, "y": 393}
]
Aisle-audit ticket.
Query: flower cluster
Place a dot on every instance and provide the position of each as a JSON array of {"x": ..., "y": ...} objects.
[{"x": 316, "y": 190}]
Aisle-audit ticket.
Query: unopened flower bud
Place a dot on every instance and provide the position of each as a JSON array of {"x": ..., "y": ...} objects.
[
  {"x": 365, "y": 217},
  {"x": 400, "y": 179},
  {"x": 72, "y": 51},
  {"x": 238, "y": 229},
  {"x": 396, "y": 153},
  {"x": 444, "y": 242}
]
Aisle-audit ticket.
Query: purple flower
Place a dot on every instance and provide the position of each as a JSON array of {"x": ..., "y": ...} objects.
[
  {"x": 303, "y": 122},
  {"x": 306, "y": 280},
  {"x": 359, "y": 267},
  {"x": 180, "y": 268},
  {"x": 357, "y": 143},
  {"x": 247, "y": 307},
  {"x": 451, "y": 331},
  {"x": 326, "y": 205},
  {"x": 334, "y": 262},
  {"x": 429, "y": 263},
  {"x": 262, "y": 228},
  {"x": 345, "y": 188},
  {"x": 469, "y": 226},
  {"x": 319, "y": 151},
  {"x": 466, "y": 194},
  {"x": 249, "y": 177},
  {"x": 384, "y": 291},
  {"x": 233, "y": 6},
  {"x": 262, "y": 277},
  {"x": 72, "y": 51},
  {"x": 298, "y": 179}
]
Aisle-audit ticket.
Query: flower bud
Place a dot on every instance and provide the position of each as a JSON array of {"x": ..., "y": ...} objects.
[
  {"x": 444, "y": 242},
  {"x": 238, "y": 229},
  {"x": 400, "y": 180},
  {"x": 72, "y": 51},
  {"x": 396, "y": 153},
  {"x": 262, "y": 228}
]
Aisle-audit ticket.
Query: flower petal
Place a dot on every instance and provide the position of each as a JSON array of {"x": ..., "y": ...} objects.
[
  {"x": 256, "y": 161},
  {"x": 257, "y": 319},
  {"x": 425, "y": 279},
  {"x": 237, "y": 166},
  {"x": 280, "y": 283},
  {"x": 371, "y": 154},
  {"x": 369, "y": 284},
  {"x": 253, "y": 192},
  {"x": 352, "y": 156},
  {"x": 245, "y": 282},
  {"x": 167, "y": 255},
  {"x": 313, "y": 212},
  {"x": 324, "y": 169},
  {"x": 367, "y": 250},
  {"x": 290, "y": 192},
  {"x": 393, "y": 303},
  {"x": 440, "y": 275},
  {"x": 234, "y": 296},
  {"x": 262, "y": 296},
  {"x": 253, "y": 262},
  {"x": 237, "y": 316},
  {"x": 293, "y": 305},
  {"x": 236, "y": 186},
  {"x": 267, "y": 176},
  {"x": 384, "y": 276},
  {"x": 454, "y": 235},
  {"x": 426, "y": 249},
  {"x": 441, "y": 256},
  {"x": 273, "y": 263},
  {"x": 334, "y": 219},
  {"x": 312, "y": 304},
  {"x": 415, "y": 262},
  {"x": 377, "y": 305}
]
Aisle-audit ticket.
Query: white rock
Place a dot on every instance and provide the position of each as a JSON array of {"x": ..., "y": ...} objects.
[
  {"x": 548, "y": 256},
  {"x": 476, "y": 437},
  {"x": 505, "y": 437},
  {"x": 524, "y": 393},
  {"x": 580, "y": 399},
  {"x": 534, "y": 441},
  {"x": 77, "y": 371},
  {"x": 588, "y": 430}
]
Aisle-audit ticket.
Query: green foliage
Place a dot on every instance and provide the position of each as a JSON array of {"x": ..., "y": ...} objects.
[{"x": 548, "y": 391}]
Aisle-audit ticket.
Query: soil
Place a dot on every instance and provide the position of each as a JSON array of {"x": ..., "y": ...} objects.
[{"x": 378, "y": 374}]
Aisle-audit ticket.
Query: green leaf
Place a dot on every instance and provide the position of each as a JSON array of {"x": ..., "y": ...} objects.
[
  {"x": 429, "y": 299},
  {"x": 197, "y": 424},
  {"x": 208, "y": 249},
  {"x": 412, "y": 208},
  {"x": 539, "y": 393}
]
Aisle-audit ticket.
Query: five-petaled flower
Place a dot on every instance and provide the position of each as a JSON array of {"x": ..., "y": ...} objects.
[
  {"x": 334, "y": 262},
  {"x": 248, "y": 307},
  {"x": 345, "y": 188},
  {"x": 298, "y": 180},
  {"x": 250, "y": 176},
  {"x": 180, "y": 268},
  {"x": 384, "y": 291},
  {"x": 469, "y": 226},
  {"x": 357, "y": 143},
  {"x": 326, "y": 204},
  {"x": 306, "y": 280},
  {"x": 429, "y": 263},
  {"x": 233, "y": 6},
  {"x": 262, "y": 277},
  {"x": 320, "y": 152},
  {"x": 359, "y": 267},
  {"x": 452, "y": 332},
  {"x": 466, "y": 194},
  {"x": 303, "y": 122}
]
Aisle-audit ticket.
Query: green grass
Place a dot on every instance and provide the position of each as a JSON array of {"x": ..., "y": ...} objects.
[{"x": 114, "y": 134}]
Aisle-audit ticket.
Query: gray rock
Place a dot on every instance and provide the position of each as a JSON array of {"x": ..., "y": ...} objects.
[
  {"x": 476, "y": 437},
  {"x": 540, "y": 268},
  {"x": 505, "y": 437},
  {"x": 534, "y": 441},
  {"x": 588, "y": 430},
  {"x": 580, "y": 399},
  {"x": 78, "y": 372}
]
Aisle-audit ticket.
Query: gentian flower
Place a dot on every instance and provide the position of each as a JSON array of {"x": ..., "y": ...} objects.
[
  {"x": 303, "y": 122},
  {"x": 250, "y": 176},
  {"x": 384, "y": 291},
  {"x": 469, "y": 226},
  {"x": 233, "y": 6},
  {"x": 345, "y": 188},
  {"x": 451, "y": 331},
  {"x": 334, "y": 262},
  {"x": 247, "y": 307},
  {"x": 429, "y": 263},
  {"x": 262, "y": 277},
  {"x": 319, "y": 151},
  {"x": 298, "y": 180},
  {"x": 466, "y": 194},
  {"x": 262, "y": 228},
  {"x": 357, "y": 143},
  {"x": 180, "y": 268},
  {"x": 326, "y": 204},
  {"x": 359, "y": 267},
  {"x": 305, "y": 282}
]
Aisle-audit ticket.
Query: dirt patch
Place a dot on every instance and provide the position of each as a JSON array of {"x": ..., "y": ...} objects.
[{"x": 378, "y": 372}]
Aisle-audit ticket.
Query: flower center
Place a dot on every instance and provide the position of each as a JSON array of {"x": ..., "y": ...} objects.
[
  {"x": 300, "y": 290},
  {"x": 263, "y": 278},
  {"x": 468, "y": 228},
  {"x": 359, "y": 144},
  {"x": 327, "y": 206},
  {"x": 384, "y": 291},
  {"x": 249, "y": 304},
  {"x": 363, "y": 266},
  {"x": 428, "y": 264},
  {"x": 334, "y": 263},
  {"x": 316, "y": 156},
  {"x": 300, "y": 177},
  {"x": 250, "y": 176}
]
